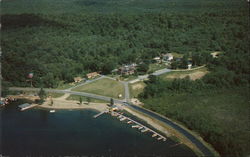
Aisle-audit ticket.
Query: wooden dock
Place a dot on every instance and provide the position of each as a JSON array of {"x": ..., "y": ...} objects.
[
  {"x": 27, "y": 106},
  {"x": 99, "y": 114},
  {"x": 140, "y": 126}
]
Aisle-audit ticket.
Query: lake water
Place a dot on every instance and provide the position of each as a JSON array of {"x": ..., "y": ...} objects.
[{"x": 37, "y": 132}]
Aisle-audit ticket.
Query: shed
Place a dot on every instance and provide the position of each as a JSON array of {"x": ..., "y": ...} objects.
[{"x": 92, "y": 75}]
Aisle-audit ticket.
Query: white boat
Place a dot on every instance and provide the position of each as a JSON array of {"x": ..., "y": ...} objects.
[
  {"x": 52, "y": 111},
  {"x": 120, "y": 116},
  {"x": 122, "y": 119},
  {"x": 144, "y": 130},
  {"x": 135, "y": 126}
]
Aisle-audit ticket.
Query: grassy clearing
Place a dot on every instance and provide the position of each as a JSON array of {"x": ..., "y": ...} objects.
[
  {"x": 154, "y": 67},
  {"x": 63, "y": 85},
  {"x": 106, "y": 87},
  {"x": 55, "y": 95},
  {"x": 113, "y": 75},
  {"x": 221, "y": 116},
  {"x": 177, "y": 55},
  {"x": 136, "y": 88},
  {"x": 77, "y": 98},
  {"x": 129, "y": 78},
  {"x": 193, "y": 74}
]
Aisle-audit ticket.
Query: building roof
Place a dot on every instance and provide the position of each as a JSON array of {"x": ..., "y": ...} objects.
[
  {"x": 114, "y": 70},
  {"x": 157, "y": 58},
  {"x": 167, "y": 55},
  {"x": 77, "y": 78},
  {"x": 93, "y": 73}
]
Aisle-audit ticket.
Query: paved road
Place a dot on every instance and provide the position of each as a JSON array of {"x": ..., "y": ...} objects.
[
  {"x": 162, "y": 71},
  {"x": 95, "y": 96},
  {"x": 156, "y": 73},
  {"x": 126, "y": 87},
  {"x": 196, "y": 141},
  {"x": 125, "y": 84},
  {"x": 86, "y": 82},
  {"x": 127, "y": 95}
]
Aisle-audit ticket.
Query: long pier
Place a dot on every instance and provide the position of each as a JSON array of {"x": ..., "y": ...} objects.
[
  {"x": 139, "y": 126},
  {"x": 99, "y": 114},
  {"x": 27, "y": 106}
]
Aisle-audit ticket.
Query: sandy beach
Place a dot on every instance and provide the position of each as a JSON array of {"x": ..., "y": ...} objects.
[{"x": 62, "y": 103}]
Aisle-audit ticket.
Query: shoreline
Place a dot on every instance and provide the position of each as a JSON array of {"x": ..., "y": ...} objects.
[
  {"x": 62, "y": 104},
  {"x": 175, "y": 134},
  {"x": 72, "y": 105},
  {"x": 166, "y": 130}
]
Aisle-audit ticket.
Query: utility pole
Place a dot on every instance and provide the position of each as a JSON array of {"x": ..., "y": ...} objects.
[{"x": 0, "y": 73}]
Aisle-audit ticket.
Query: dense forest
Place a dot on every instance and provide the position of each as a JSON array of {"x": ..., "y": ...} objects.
[
  {"x": 58, "y": 47},
  {"x": 216, "y": 106},
  {"x": 59, "y": 42}
]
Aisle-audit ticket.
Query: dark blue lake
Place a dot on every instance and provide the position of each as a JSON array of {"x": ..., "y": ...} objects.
[{"x": 37, "y": 132}]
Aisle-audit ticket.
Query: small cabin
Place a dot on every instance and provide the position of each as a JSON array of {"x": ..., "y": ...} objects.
[
  {"x": 92, "y": 75},
  {"x": 167, "y": 57},
  {"x": 78, "y": 79},
  {"x": 157, "y": 59}
]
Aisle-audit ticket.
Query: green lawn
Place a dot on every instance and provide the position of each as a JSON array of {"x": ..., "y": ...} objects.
[
  {"x": 63, "y": 85},
  {"x": 136, "y": 88},
  {"x": 177, "y": 55},
  {"x": 77, "y": 98},
  {"x": 220, "y": 116},
  {"x": 55, "y": 95},
  {"x": 154, "y": 67},
  {"x": 193, "y": 74},
  {"x": 106, "y": 87},
  {"x": 129, "y": 78}
]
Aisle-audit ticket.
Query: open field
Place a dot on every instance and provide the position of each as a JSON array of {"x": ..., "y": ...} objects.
[
  {"x": 71, "y": 104},
  {"x": 106, "y": 87},
  {"x": 63, "y": 85},
  {"x": 55, "y": 95},
  {"x": 220, "y": 116},
  {"x": 193, "y": 74},
  {"x": 84, "y": 99},
  {"x": 136, "y": 88},
  {"x": 128, "y": 78},
  {"x": 177, "y": 55},
  {"x": 154, "y": 67}
]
